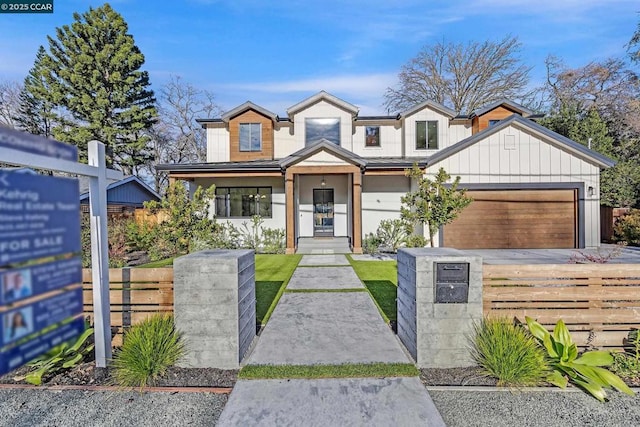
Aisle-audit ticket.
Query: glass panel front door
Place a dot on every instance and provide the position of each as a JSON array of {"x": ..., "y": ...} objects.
[{"x": 323, "y": 212}]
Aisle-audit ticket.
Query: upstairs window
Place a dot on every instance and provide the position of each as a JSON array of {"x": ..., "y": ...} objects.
[
  {"x": 318, "y": 129},
  {"x": 250, "y": 137},
  {"x": 427, "y": 135},
  {"x": 493, "y": 122},
  {"x": 372, "y": 136}
]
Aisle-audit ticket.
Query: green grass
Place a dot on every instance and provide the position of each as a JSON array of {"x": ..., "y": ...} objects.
[
  {"x": 381, "y": 279},
  {"x": 363, "y": 370},
  {"x": 272, "y": 275},
  {"x": 311, "y": 291},
  {"x": 167, "y": 262}
]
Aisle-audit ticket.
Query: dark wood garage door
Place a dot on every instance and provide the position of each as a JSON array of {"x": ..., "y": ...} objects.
[{"x": 516, "y": 219}]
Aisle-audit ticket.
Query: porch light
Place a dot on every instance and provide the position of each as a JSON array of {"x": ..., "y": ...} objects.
[
  {"x": 323, "y": 182},
  {"x": 590, "y": 191}
]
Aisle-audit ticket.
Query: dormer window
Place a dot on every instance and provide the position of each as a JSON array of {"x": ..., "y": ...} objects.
[
  {"x": 319, "y": 129},
  {"x": 250, "y": 137},
  {"x": 493, "y": 122},
  {"x": 427, "y": 135}
]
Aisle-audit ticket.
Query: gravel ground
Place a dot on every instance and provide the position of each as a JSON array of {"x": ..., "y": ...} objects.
[
  {"x": 548, "y": 408},
  {"x": 99, "y": 408}
]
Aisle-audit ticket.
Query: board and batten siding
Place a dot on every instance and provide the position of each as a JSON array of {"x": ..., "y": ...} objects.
[
  {"x": 514, "y": 156},
  {"x": 285, "y": 142},
  {"x": 426, "y": 114},
  {"x": 217, "y": 144},
  {"x": 390, "y": 140},
  {"x": 324, "y": 110}
]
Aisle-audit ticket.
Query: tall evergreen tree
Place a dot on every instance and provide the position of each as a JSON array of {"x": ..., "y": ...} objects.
[
  {"x": 35, "y": 112},
  {"x": 93, "y": 74}
]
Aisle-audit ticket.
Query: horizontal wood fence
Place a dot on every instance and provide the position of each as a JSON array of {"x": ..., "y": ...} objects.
[
  {"x": 134, "y": 293},
  {"x": 600, "y": 303}
]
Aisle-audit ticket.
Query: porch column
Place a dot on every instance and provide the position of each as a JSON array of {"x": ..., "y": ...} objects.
[
  {"x": 290, "y": 208},
  {"x": 357, "y": 212}
]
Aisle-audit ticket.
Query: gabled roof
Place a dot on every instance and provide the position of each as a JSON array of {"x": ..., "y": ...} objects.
[
  {"x": 248, "y": 106},
  {"x": 432, "y": 105},
  {"x": 130, "y": 179},
  {"x": 526, "y": 124},
  {"x": 323, "y": 145},
  {"x": 523, "y": 111},
  {"x": 322, "y": 96}
]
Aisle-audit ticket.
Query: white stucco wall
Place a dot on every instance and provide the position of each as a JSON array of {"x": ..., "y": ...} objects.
[
  {"x": 218, "y": 144},
  {"x": 381, "y": 199},
  {"x": 304, "y": 195},
  {"x": 278, "y": 219},
  {"x": 514, "y": 155}
]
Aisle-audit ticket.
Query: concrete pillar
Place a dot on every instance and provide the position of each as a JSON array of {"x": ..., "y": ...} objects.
[
  {"x": 215, "y": 306},
  {"x": 436, "y": 333}
]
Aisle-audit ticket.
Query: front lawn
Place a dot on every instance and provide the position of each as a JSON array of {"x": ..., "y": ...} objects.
[{"x": 381, "y": 279}]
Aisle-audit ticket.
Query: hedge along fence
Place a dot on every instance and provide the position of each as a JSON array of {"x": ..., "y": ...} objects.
[
  {"x": 600, "y": 303},
  {"x": 134, "y": 294}
]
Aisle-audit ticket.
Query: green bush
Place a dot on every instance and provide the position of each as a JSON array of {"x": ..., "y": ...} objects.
[
  {"x": 393, "y": 233},
  {"x": 627, "y": 228},
  {"x": 508, "y": 352},
  {"x": 584, "y": 371},
  {"x": 627, "y": 363},
  {"x": 118, "y": 230},
  {"x": 371, "y": 244},
  {"x": 61, "y": 357},
  {"x": 416, "y": 241},
  {"x": 149, "y": 348},
  {"x": 273, "y": 240}
]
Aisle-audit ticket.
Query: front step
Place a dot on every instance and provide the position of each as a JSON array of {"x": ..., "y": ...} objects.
[{"x": 323, "y": 245}]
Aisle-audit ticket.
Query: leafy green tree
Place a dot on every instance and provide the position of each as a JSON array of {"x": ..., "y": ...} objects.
[
  {"x": 433, "y": 203},
  {"x": 92, "y": 71},
  {"x": 35, "y": 112}
]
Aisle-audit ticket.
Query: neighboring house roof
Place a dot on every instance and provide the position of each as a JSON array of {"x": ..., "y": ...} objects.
[
  {"x": 248, "y": 106},
  {"x": 322, "y": 145},
  {"x": 322, "y": 96},
  {"x": 128, "y": 191},
  {"x": 518, "y": 121},
  {"x": 432, "y": 105},
  {"x": 525, "y": 112}
]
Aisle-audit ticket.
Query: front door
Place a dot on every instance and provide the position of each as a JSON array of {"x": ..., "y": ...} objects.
[{"x": 323, "y": 212}]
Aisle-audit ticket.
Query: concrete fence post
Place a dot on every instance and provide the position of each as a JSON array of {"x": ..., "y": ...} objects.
[
  {"x": 215, "y": 306},
  {"x": 439, "y": 298}
]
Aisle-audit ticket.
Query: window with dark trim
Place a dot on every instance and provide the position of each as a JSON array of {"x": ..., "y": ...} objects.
[
  {"x": 493, "y": 122},
  {"x": 318, "y": 129},
  {"x": 243, "y": 202},
  {"x": 372, "y": 136},
  {"x": 427, "y": 135},
  {"x": 250, "y": 137}
]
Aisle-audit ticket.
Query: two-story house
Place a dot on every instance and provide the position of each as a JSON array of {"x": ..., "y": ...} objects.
[{"x": 324, "y": 170}]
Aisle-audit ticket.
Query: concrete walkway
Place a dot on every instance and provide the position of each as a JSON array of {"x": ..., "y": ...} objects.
[{"x": 328, "y": 327}]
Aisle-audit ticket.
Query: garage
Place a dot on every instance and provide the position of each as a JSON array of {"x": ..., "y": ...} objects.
[{"x": 516, "y": 219}]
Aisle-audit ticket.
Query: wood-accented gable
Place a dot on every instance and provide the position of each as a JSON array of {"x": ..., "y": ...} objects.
[
  {"x": 250, "y": 116},
  {"x": 480, "y": 123}
]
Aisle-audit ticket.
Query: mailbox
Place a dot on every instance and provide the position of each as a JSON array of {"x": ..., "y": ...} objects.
[{"x": 452, "y": 282}]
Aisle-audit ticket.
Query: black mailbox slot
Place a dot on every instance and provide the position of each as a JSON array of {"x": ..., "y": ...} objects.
[{"x": 452, "y": 283}]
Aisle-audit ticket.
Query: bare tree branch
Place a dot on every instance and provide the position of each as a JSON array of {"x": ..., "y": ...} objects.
[
  {"x": 9, "y": 102},
  {"x": 463, "y": 77}
]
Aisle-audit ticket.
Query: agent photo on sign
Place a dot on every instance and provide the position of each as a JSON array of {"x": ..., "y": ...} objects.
[
  {"x": 17, "y": 324},
  {"x": 16, "y": 285}
]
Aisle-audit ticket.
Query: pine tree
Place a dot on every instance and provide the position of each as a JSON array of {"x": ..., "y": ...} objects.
[
  {"x": 35, "y": 113},
  {"x": 93, "y": 74}
]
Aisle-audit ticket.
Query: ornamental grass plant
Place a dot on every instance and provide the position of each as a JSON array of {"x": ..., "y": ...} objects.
[
  {"x": 508, "y": 352},
  {"x": 148, "y": 349}
]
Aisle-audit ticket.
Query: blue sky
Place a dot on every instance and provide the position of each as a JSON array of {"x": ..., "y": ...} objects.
[{"x": 276, "y": 53}]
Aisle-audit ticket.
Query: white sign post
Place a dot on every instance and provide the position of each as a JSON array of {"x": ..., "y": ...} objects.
[{"x": 22, "y": 149}]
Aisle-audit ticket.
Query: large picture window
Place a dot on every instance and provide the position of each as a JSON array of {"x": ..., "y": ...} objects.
[
  {"x": 318, "y": 129},
  {"x": 243, "y": 202},
  {"x": 427, "y": 135},
  {"x": 250, "y": 137}
]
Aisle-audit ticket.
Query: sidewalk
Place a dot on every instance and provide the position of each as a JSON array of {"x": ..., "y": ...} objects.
[{"x": 328, "y": 327}]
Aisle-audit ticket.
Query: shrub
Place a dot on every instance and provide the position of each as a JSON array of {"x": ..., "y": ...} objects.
[
  {"x": 273, "y": 240},
  {"x": 585, "y": 371},
  {"x": 392, "y": 233},
  {"x": 371, "y": 244},
  {"x": 627, "y": 228},
  {"x": 416, "y": 241},
  {"x": 149, "y": 348},
  {"x": 118, "y": 230},
  {"x": 62, "y": 357},
  {"x": 627, "y": 363},
  {"x": 508, "y": 352}
]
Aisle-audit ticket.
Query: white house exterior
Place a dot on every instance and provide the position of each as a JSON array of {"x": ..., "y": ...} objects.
[{"x": 323, "y": 171}]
